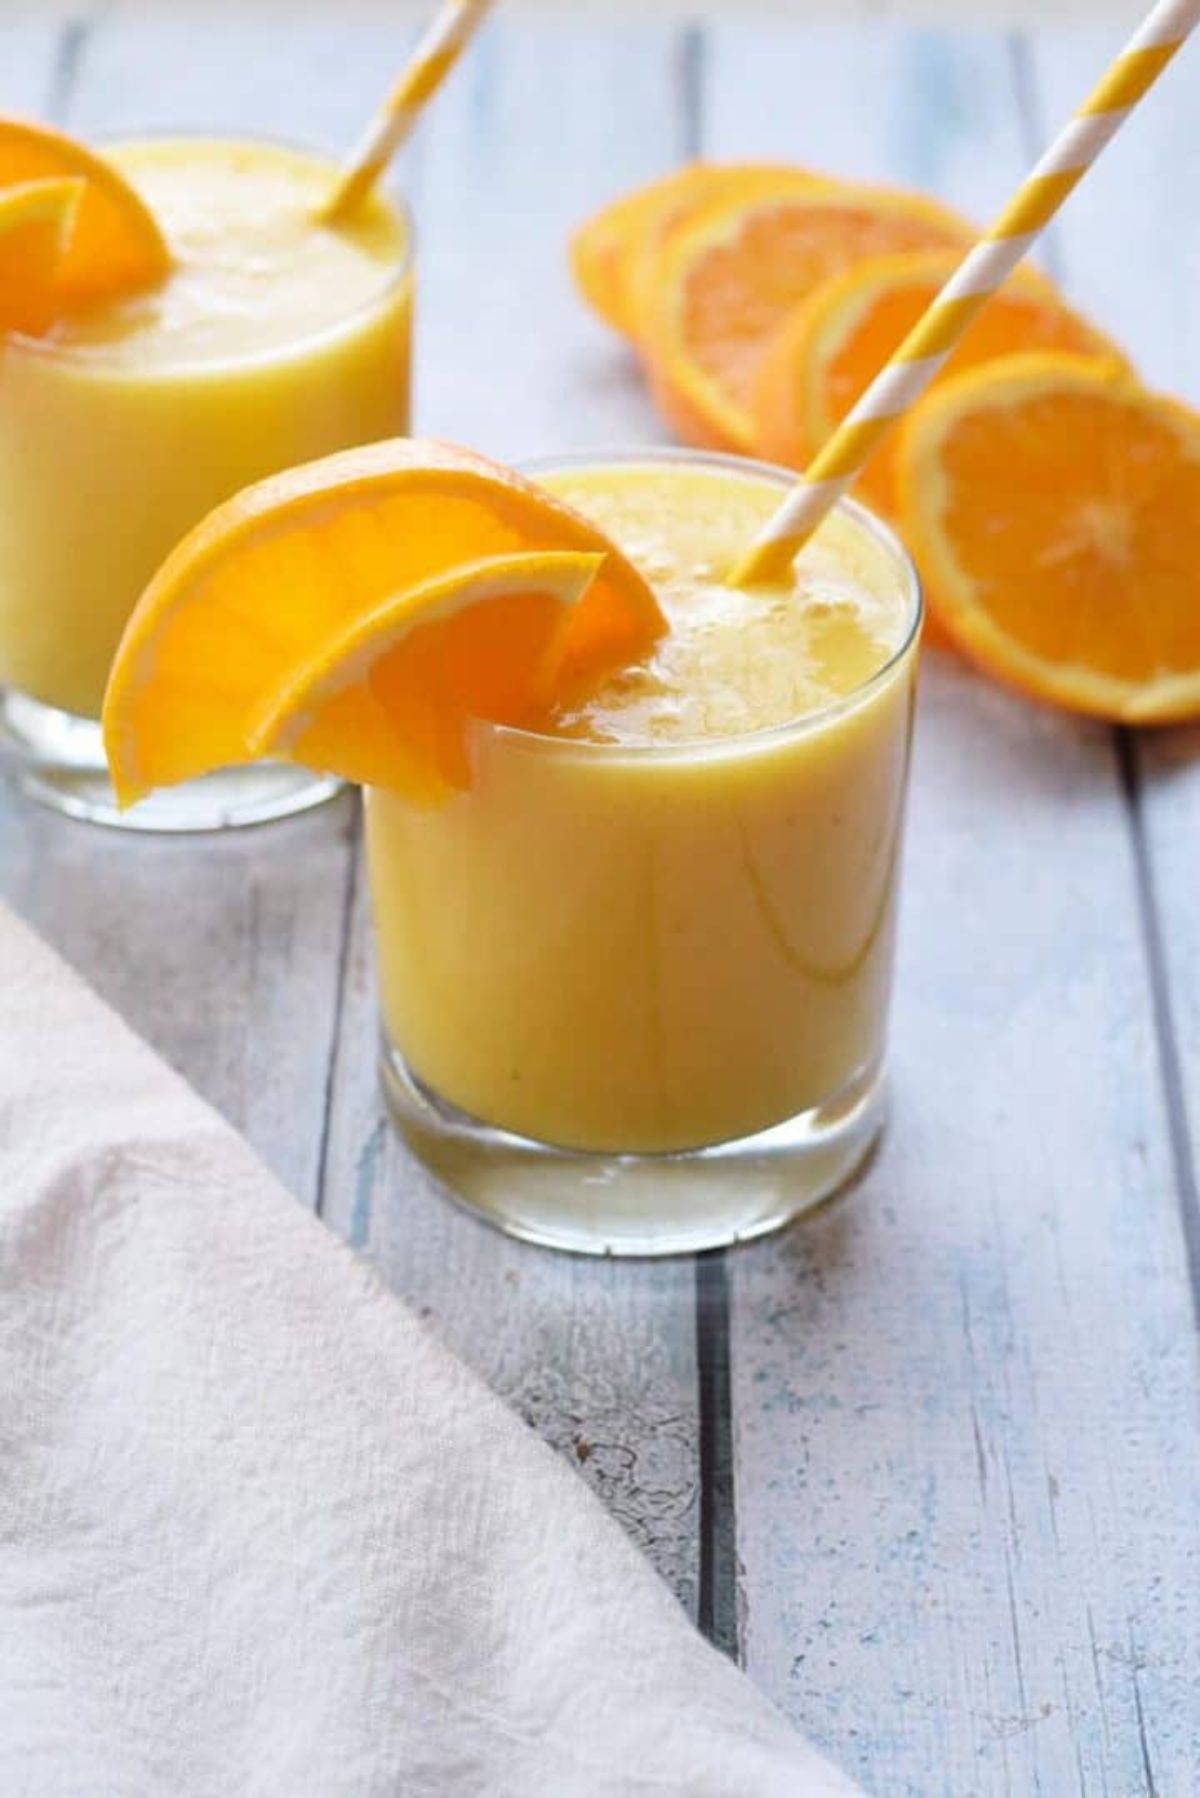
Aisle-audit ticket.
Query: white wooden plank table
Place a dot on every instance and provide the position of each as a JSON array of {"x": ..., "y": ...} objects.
[{"x": 930, "y": 1464}]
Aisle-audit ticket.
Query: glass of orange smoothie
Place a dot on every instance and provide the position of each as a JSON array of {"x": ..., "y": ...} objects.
[
  {"x": 273, "y": 340},
  {"x": 635, "y": 978}
]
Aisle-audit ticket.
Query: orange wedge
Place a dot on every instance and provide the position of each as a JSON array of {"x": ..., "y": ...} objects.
[
  {"x": 115, "y": 245},
  {"x": 1054, "y": 508},
  {"x": 830, "y": 348},
  {"x": 387, "y": 700},
  {"x": 35, "y": 223},
  {"x": 244, "y": 617},
  {"x": 613, "y": 255},
  {"x": 729, "y": 280}
]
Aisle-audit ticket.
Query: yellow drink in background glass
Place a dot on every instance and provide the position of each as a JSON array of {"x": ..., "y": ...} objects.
[
  {"x": 658, "y": 936},
  {"x": 273, "y": 341}
]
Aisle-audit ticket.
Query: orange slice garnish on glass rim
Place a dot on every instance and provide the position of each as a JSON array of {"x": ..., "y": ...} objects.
[
  {"x": 36, "y": 219},
  {"x": 731, "y": 278},
  {"x": 835, "y": 342},
  {"x": 114, "y": 245},
  {"x": 295, "y": 594},
  {"x": 1054, "y": 508}
]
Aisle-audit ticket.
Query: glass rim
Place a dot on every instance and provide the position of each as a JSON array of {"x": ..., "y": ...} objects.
[
  {"x": 393, "y": 280},
  {"x": 875, "y": 529}
]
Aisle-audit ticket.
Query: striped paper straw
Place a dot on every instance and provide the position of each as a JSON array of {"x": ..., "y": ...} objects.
[
  {"x": 436, "y": 54},
  {"x": 905, "y": 377}
]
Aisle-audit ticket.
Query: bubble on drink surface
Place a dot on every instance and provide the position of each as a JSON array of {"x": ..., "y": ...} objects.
[{"x": 650, "y": 556}]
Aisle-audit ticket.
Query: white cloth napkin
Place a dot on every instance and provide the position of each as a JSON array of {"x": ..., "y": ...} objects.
[{"x": 261, "y": 1536}]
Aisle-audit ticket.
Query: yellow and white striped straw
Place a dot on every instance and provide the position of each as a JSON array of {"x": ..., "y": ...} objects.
[
  {"x": 905, "y": 377},
  {"x": 447, "y": 37}
]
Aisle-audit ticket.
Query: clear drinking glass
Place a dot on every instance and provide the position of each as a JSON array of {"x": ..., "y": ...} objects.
[
  {"x": 105, "y": 463},
  {"x": 635, "y": 999}
]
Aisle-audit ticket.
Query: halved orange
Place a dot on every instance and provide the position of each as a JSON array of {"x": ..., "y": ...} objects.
[
  {"x": 614, "y": 253},
  {"x": 387, "y": 700},
  {"x": 115, "y": 245},
  {"x": 833, "y": 344},
  {"x": 1054, "y": 508},
  {"x": 731, "y": 278},
  {"x": 36, "y": 218},
  {"x": 262, "y": 592}
]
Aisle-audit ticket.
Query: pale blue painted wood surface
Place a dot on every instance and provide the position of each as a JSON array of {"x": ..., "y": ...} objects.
[
  {"x": 964, "y": 1405},
  {"x": 1132, "y": 241}
]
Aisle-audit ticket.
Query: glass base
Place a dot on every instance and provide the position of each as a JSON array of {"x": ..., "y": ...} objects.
[
  {"x": 645, "y": 1205},
  {"x": 58, "y": 760}
]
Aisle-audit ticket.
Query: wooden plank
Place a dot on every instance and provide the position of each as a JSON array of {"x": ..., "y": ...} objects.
[
  {"x": 165, "y": 69},
  {"x": 930, "y": 108},
  {"x": 1128, "y": 243},
  {"x": 620, "y": 13},
  {"x": 600, "y": 1358},
  {"x": 1128, "y": 248},
  {"x": 32, "y": 45},
  {"x": 965, "y": 1431},
  {"x": 225, "y": 954},
  {"x": 522, "y": 148}
]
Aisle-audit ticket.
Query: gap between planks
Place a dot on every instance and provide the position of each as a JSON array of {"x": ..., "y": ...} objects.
[{"x": 717, "y": 1602}]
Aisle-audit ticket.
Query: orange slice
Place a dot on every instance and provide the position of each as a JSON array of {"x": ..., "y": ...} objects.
[
  {"x": 826, "y": 354},
  {"x": 35, "y": 223},
  {"x": 723, "y": 184},
  {"x": 259, "y": 592},
  {"x": 387, "y": 700},
  {"x": 599, "y": 250},
  {"x": 1054, "y": 508},
  {"x": 116, "y": 245},
  {"x": 613, "y": 254},
  {"x": 729, "y": 280}
]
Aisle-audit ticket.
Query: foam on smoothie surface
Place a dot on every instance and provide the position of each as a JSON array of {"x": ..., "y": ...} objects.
[
  {"x": 731, "y": 661},
  {"x": 252, "y": 271}
]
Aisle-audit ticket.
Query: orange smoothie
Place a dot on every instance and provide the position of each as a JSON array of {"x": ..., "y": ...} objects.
[
  {"x": 665, "y": 920},
  {"x": 273, "y": 341}
]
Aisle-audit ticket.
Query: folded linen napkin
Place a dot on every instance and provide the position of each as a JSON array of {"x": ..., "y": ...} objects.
[{"x": 261, "y": 1536}]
